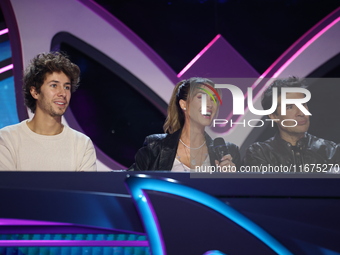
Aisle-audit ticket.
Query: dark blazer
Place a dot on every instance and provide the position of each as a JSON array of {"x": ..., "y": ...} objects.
[{"x": 159, "y": 152}]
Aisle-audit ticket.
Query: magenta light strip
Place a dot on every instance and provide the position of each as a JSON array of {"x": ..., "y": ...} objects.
[
  {"x": 4, "y": 31},
  {"x": 21, "y": 222},
  {"x": 71, "y": 243},
  {"x": 198, "y": 56},
  {"x": 297, "y": 42},
  {"x": 304, "y": 47},
  {"x": 287, "y": 63},
  {"x": 291, "y": 59},
  {"x": 284, "y": 66},
  {"x": 6, "y": 68}
]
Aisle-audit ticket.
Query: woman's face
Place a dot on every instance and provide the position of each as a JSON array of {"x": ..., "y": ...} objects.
[{"x": 197, "y": 113}]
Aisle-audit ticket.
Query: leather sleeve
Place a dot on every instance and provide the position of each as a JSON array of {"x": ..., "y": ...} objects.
[
  {"x": 335, "y": 159},
  {"x": 146, "y": 156},
  {"x": 255, "y": 156},
  {"x": 235, "y": 154},
  {"x": 142, "y": 158}
]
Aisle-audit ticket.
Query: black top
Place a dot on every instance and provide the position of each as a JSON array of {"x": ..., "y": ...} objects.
[{"x": 159, "y": 152}]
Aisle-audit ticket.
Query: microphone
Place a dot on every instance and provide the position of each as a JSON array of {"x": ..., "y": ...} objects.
[{"x": 220, "y": 148}]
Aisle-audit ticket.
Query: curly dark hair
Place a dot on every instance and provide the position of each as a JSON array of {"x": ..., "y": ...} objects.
[
  {"x": 43, "y": 64},
  {"x": 292, "y": 81}
]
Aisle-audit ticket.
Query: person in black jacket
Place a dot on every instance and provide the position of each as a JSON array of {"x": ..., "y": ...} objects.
[
  {"x": 185, "y": 145},
  {"x": 292, "y": 146}
]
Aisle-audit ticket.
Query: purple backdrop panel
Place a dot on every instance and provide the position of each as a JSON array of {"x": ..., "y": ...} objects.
[{"x": 219, "y": 60}]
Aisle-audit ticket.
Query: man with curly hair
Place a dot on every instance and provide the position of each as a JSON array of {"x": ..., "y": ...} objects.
[{"x": 43, "y": 143}]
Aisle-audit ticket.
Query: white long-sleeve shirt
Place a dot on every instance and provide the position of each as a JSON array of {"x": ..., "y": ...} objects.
[{"x": 23, "y": 149}]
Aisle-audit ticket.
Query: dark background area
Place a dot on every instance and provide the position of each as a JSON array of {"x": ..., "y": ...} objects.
[{"x": 260, "y": 30}]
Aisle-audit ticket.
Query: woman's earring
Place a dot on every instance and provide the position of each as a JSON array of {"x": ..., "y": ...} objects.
[{"x": 184, "y": 109}]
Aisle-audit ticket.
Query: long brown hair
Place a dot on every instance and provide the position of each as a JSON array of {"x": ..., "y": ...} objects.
[{"x": 183, "y": 90}]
